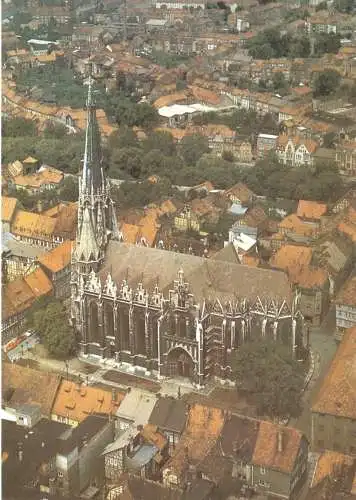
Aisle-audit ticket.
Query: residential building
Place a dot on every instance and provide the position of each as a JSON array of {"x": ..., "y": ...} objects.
[
  {"x": 241, "y": 194},
  {"x": 19, "y": 258},
  {"x": 136, "y": 488},
  {"x": 181, "y": 4},
  {"x": 45, "y": 14},
  {"x": 45, "y": 179},
  {"x": 346, "y": 158},
  {"x": 8, "y": 210},
  {"x": 265, "y": 144},
  {"x": 295, "y": 151},
  {"x": 264, "y": 456},
  {"x": 65, "y": 215},
  {"x": 28, "y": 458},
  {"x": 138, "y": 281},
  {"x": 170, "y": 415},
  {"x": 320, "y": 25},
  {"x": 140, "y": 451},
  {"x": 243, "y": 151},
  {"x": 27, "y": 386},
  {"x": 251, "y": 223},
  {"x": 135, "y": 409},
  {"x": 333, "y": 419},
  {"x": 202, "y": 432},
  {"x": 187, "y": 220},
  {"x": 334, "y": 254},
  {"x": 57, "y": 265},
  {"x": 345, "y": 305},
  {"x": 347, "y": 225},
  {"x": 345, "y": 201},
  {"x": 43, "y": 230},
  {"x": 333, "y": 476},
  {"x": 18, "y": 296},
  {"x": 74, "y": 402},
  {"x": 311, "y": 211},
  {"x": 78, "y": 461},
  {"x": 311, "y": 281}
]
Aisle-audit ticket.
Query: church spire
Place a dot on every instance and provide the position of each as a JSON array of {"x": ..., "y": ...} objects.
[
  {"x": 93, "y": 178},
  {"x": 96, "y": 211}
]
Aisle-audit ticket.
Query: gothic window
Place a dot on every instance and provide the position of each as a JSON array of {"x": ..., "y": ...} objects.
[
  {"x": 93, "y": 322},
  {"x": 140, "y": 334},
  {"x": 109, "y": 319},
  {"x": 124, "y": 329}
]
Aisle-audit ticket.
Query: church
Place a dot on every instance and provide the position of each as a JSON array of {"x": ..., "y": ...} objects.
[{"x": 173, "y": 314}]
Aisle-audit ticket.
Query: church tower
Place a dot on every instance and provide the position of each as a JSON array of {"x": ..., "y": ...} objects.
[{"x": 96, "y": 213}]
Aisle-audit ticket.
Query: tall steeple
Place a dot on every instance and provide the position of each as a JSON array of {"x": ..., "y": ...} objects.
[{"x": 96, "y": 213}]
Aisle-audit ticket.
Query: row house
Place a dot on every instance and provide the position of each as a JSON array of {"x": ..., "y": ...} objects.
[
  {"x": 262, "y": 103},
  {"x": 333, "y": 419},
  {"x": 45, "y": 179},
  {"x": 345, "y": 158},
  {"x": 9, "y": 207},
  {"x": 320, "y": 25},
  {"x": 335, "y": 255},
  {"x": 57, "y": 265},
  {"x": 135, "y": 410},
  {"x": 169, "y": 415},
  {"x": 345, "y": 201},
  {"x": 310, "y": 281},
  {"x": 223, "y": 447},
  {"x": 295, "y": 151},
  {"x": 305, "y": 225},
  {"x": 140, "y": 451},
  {"x": 18, "y": 259},
  {"x": 17, "y": 299},
  {"x": 345, "y": 305},
  {"x": 78, "y": 462},
  {"x": 75, "y": 401},
  {"x": 266, "y": 143},
  {"x": 36, "y": 229},
  {"x": 293, "y": 112},
  {"x": 181, "y": 4},
  {"x": 260, "y": 69},
  {"x": 46, "y": 14}
]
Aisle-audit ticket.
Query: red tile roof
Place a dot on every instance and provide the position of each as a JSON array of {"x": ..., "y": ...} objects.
[{"x": 337, "y": 395}]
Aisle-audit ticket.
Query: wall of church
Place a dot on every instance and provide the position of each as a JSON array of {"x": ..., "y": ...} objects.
[{"x": 128, "y": 330}]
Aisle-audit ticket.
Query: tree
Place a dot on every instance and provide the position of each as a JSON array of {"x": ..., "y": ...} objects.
[
  {"x": 271, "y": 378},
  {"x": 344, "y": 5},
  {"x": 125, "y": 137},
  {"x": 16, "y": 127},
  {"x": 161, "y": 140},
  {"x": 54, "y": 130},
  {"x": 327, "y": 43},
  {"x": 70, "y": 189},
  {"x": 192, "y": 147},
  {"x": 52, "y": 325},
  {"x": 321, "y": 6},
  {"x": 326, "y": 83},
  {"x": 125, "y": 162},
  {"x": 279, "y": 82}
]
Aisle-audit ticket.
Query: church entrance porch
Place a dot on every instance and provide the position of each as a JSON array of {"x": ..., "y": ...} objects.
[{"x": 179, "y": 363}]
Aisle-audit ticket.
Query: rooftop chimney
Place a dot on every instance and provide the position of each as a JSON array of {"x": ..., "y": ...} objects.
[
  {"x": 113, "y": 394},
  {"x": 280, "y": 441},
  {"x": 19, "y": 451}
]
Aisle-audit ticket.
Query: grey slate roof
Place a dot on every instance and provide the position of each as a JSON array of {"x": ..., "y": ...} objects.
[
  {"x": 227, "y": 254},
  {"x": 207, "y": 278},
  {"x": 136, "y": 406},
  {"x": 20, "y": 249},
  {"x": 169, "y": 414}
]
